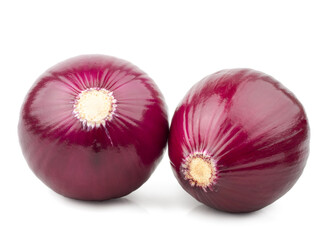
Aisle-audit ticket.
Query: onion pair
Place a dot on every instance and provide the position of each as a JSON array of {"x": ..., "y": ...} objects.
[{"x": 95, "y": 127}]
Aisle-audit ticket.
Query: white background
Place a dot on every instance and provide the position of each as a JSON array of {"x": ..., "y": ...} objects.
[{"x": 177, "y": 43}]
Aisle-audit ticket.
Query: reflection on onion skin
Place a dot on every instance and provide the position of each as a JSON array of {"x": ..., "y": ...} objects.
[
  {"x": 252, "y": 130},
  {"x": 87, "y": 161}
]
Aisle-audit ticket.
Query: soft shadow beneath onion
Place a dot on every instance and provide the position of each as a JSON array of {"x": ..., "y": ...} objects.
[
  {"x": 203, "y": 210},
  {"x": 116, "y": 203},
  {"x": 165, "y": 197}
]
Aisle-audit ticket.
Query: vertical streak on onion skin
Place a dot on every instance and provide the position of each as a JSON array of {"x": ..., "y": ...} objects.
[
  {"x": 93, "y": 163},
  {"x": 253, "y": 127}
]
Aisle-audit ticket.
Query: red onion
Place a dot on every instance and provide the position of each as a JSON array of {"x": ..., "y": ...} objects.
[
  {"x": 238, "y": 141},
  {"x": 93, "y": 127}
]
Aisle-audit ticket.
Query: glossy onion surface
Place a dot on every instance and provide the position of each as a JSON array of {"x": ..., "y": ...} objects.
[
  {"x": 238, "y": 141},
  {"x": 93, "y": 127}
]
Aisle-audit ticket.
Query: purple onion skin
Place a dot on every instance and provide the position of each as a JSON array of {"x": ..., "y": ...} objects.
[
  {"x": 93, "y": 163},
  {"x": 254, "y": 129}
]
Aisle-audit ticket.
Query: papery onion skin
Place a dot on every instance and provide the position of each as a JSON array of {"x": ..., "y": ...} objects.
[
  {"x": 93, "y": 162},
  {"x": 255, "y": 131}
]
